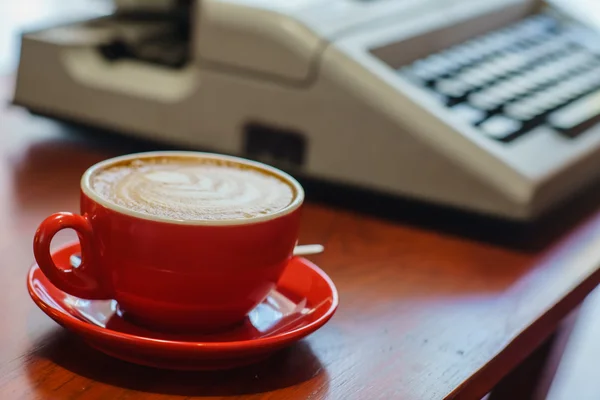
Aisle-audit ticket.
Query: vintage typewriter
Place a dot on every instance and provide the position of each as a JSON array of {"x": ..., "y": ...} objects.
[{"x": 485, "y": 106}]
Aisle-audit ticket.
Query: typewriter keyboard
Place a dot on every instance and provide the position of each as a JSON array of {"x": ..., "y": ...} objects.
[{"x": 539, "y": 71}]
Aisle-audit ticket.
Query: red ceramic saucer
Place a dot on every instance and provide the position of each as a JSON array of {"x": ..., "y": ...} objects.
[{"x": 304, "y": 300}]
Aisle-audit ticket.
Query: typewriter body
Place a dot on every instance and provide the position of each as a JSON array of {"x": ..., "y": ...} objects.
[{"x": 485, "y": 106}]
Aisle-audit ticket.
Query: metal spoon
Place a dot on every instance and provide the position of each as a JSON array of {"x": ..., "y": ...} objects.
[{"x": 308, "y": 249}]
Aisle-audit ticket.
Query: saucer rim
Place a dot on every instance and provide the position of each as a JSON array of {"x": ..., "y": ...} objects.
[{"x": 63, "y": 317}]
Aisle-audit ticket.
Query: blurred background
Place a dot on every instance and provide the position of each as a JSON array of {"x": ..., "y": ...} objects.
[
  {"x": 482, "y": 108},
  {"x": 16, "y": 16}
]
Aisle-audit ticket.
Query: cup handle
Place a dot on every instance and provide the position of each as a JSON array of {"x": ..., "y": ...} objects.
[{"x": 85, "y": 280}]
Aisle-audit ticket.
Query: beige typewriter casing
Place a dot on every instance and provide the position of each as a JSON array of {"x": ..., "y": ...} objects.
[{"x": 324, "y": 69}]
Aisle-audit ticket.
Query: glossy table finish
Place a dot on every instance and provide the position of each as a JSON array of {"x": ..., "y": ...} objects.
[{"x": 423, "y": 315}]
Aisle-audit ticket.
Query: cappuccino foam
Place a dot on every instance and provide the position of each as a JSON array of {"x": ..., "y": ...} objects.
[{"x": 188, "y": 188}]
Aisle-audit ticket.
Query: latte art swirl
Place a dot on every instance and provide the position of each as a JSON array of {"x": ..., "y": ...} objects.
[{"x": 192, "y": 189}]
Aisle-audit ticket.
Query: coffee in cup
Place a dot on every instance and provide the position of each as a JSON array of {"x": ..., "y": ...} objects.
[
  {"x": 182, "y": 240},
  {"x": 192, "y": 189}
]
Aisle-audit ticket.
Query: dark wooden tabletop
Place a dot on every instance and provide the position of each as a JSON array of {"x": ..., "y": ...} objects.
[{"x": 423, "y": 315}]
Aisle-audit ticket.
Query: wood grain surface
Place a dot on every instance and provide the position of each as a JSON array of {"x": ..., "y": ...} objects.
[{"x": 423, "y": 315}]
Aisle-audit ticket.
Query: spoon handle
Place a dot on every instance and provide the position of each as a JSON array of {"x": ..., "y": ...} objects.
[{"x": 308, "y": 249}]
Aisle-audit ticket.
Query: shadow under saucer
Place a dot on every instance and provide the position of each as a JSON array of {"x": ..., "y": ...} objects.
[{"x": 286, "y": 368}]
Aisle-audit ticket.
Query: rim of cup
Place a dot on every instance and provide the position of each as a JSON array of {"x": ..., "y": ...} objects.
[{"x": 89, "y": 192}]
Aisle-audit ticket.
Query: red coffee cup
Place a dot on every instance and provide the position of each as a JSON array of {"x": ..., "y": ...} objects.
[{"x": 172, "y": 274}]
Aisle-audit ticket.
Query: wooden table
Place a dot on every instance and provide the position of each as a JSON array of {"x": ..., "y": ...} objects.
[{"x": 423, "y": 315}]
